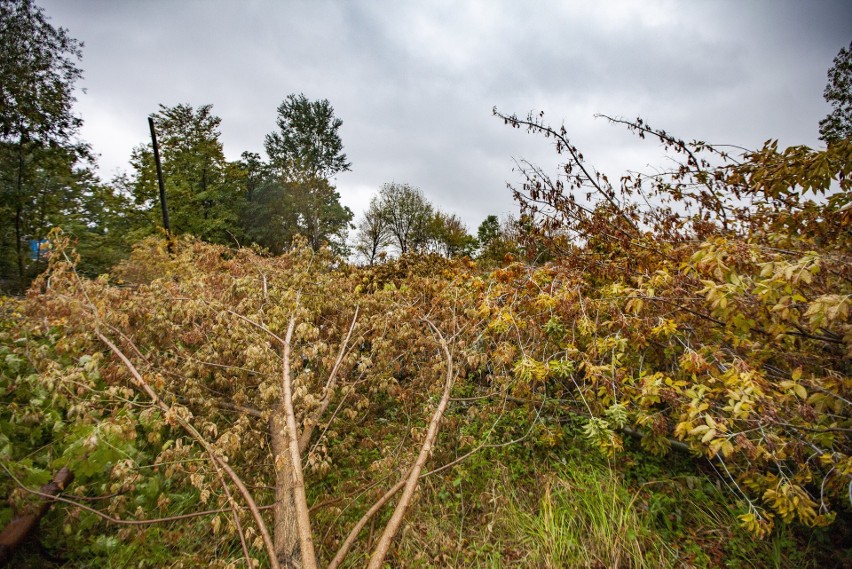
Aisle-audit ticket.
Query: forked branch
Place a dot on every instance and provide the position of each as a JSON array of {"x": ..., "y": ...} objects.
[
  {"x": 393, "y": 524},
  {"x": 328, "y": 390}
]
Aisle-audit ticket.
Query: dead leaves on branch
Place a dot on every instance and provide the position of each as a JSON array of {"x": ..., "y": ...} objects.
[{"x": 735, "y": 345}]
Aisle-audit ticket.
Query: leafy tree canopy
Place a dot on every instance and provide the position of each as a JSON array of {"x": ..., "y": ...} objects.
[
  {"x": 406, "y": 213},
  {"x": 204, "y": 192},
  {"x": 38, "y": 153},
  {"x": 307, "y": 143},
  {"x": 38, "y": 70},
  {"x": 838, "y": 124},
  {"x": 280, "y": 210}
]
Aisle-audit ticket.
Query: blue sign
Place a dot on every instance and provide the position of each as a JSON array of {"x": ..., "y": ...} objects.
[{"x": 38, "y": 248}]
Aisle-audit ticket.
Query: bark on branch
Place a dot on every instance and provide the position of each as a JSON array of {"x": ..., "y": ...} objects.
[
  {"x": 393, "y": 524},
  {"x": 306, "y": 544},
  {"x": 17, "y": 530}
]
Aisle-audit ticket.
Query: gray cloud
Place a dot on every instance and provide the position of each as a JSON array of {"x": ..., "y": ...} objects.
[{"x": 415, "y": 82}]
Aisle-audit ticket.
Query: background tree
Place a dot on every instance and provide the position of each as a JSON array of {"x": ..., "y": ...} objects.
[
  {"x": 307, "y": 143},
  {"x": 269, "y": 218},
  {"x": 279, "y": 210},
  {"x": 449, "y": 237},
  {"x": 203, "y": 190},
  {"x": 103, "y": 224},
  {"x": 38, "y": 70},
  {"x": 400, "y": 216},
  {"x": 407, "y": 214},
  {"x": 496, "y": 240},
  {"x": 488, "y": 231},
  {"x": 292, "y": 194},
  {"x": 372, "y": 235},
  {"x": 254, "y": 172},
  {"x": 838, "y": 124}
]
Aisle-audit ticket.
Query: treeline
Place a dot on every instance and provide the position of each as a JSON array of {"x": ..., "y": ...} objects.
[
  {"x": 254, "y": 200},
  {"x": 48, "y": 176},
  {"x": 250, "y": 200}
]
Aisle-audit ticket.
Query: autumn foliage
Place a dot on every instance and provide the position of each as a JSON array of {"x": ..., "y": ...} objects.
[{"x": 705, "y": 309}]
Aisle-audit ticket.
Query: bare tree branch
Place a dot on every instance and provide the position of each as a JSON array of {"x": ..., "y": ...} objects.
[
  {"x": 306, "y": 543},
  {"x": 393, "y": 524}
]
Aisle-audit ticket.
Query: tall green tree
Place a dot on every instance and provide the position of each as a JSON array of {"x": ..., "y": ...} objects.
[
  {"x": 838, "y": 92},
  {"x": 203, "y": 190},
  {"x": 279, "y": 210},
  {"x": 38, "y": 70},
  {"x": 292, "y": 194},
  {"x": 307, "y": 143}
]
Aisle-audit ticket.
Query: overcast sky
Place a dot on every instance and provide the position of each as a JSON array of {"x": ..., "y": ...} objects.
[{"x": 415, "y": 82}]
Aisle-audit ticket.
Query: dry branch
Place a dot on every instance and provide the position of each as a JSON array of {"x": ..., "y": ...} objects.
[
  {"x": 217, "y": 462},
  {"x": 306, "y": 543},
  {"x": 353, "y": 535},
  {"x": 393, "y": 524},
  {"x": 20, "y": 527}
]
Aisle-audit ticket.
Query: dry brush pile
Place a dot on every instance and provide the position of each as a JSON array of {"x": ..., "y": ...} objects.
[{"x": 282, "y": 402}]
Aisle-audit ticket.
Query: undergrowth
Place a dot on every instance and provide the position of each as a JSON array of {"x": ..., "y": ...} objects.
[{"x": 568, "y": 506}]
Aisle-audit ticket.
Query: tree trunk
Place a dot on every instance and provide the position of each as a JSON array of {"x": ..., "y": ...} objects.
[
  {"x": 19, "y": 214},
  {"x": 285, "y": 529}
]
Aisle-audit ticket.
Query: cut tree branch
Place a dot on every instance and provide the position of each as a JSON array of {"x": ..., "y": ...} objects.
[
  {"x": 217, "y": 461},
  {"x": 20, "y": 527},
  {"x": 306, "y": 543},
  {"x": 393, "y": 524}
]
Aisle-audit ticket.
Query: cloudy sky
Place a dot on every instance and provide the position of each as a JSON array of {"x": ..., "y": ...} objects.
[{"x": 415, "y": 82}]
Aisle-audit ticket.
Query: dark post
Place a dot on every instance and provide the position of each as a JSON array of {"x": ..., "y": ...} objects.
[
  {"x": 22, "y": 525},
  {"x": 160, "y": 177}
]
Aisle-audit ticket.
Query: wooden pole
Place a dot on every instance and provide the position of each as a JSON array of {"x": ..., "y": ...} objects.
[{"x": 166, "y": 224}]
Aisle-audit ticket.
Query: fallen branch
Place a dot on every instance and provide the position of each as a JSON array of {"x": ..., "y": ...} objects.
[
  {"x": 393, "y": 524},
  {"x": 217, "y": 462},
  {"x": 306, "y": 544},
  {"x": 21, "y": 526}
]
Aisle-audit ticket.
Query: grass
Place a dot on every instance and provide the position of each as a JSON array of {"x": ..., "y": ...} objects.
[
  {"x": 568, "y": 507},
  {"x": 585, "y": 517}
]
